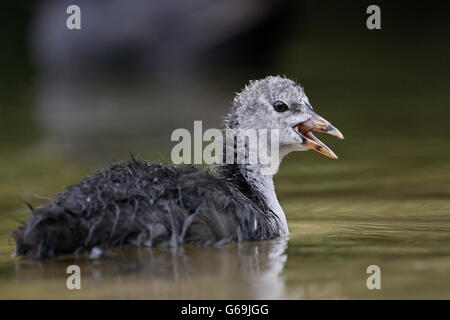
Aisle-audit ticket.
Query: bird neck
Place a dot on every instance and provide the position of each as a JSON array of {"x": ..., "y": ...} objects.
[{"x": 258, "y": 187}]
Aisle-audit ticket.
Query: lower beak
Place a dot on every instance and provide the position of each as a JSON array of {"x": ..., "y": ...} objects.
[{"x": 318, "y": 124}]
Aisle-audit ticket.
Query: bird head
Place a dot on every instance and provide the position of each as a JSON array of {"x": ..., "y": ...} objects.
[{"x": 280, "y": 103}]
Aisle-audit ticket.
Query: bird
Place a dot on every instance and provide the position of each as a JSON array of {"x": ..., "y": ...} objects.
[{"x": 136, "y": 203}]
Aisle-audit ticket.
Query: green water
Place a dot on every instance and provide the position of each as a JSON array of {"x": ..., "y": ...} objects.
[
  {"x": 385, "y": 202},
  {"x": 343, "y": 216}
]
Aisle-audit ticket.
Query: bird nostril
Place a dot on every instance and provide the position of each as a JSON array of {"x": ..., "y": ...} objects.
[{"x": 319, "y": 123}]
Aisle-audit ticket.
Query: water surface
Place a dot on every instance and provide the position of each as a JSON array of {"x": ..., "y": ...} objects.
[{"x": 343, "y": 216}]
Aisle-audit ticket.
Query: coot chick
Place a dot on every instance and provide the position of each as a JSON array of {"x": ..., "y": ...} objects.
[{"x": 135, "y": 203}]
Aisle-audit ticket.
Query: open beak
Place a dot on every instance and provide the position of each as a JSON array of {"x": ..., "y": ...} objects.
[{"x": 319, "y": 124}]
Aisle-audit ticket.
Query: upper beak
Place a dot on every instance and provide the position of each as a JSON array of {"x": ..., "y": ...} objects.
[{"x": 319, "y": 124}]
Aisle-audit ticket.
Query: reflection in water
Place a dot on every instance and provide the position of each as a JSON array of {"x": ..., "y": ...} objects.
[{"x": 241, "y": 270}]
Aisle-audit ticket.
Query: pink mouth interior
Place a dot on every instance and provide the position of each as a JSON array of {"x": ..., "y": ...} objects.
[{"x": 313, "y": 138}]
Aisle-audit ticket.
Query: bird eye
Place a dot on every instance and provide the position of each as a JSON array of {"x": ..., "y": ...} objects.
[{"x": 280, "y": 106}]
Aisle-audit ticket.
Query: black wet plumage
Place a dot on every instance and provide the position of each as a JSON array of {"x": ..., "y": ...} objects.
[{"x": 135, "y": 203}]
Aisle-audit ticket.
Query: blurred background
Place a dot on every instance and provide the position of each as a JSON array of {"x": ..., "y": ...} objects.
[{"x": 72, "y": 101}]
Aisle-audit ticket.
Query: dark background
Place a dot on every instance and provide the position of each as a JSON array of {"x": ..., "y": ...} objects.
[{"x": 130, "y": 78}]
